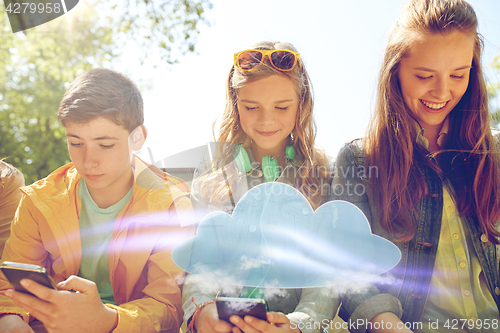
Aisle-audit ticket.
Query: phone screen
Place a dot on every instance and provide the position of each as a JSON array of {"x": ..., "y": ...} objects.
[{"x": 228, "y": 306}]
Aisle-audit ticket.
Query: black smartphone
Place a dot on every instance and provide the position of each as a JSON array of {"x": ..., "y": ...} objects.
[
  {"x": 15, "y": 272},
  {"x": 228, "y": 306}
]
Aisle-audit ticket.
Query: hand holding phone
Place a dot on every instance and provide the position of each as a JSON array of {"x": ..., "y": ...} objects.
[
  {"x": 15, "y": 272},
  {"x": 207, "y": 321},
  {"x": 229, "y": 306}
]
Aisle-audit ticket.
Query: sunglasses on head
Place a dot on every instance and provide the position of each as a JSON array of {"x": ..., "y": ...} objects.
[{"x": 282, "y": 60}]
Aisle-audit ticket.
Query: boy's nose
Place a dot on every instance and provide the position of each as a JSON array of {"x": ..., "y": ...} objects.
[{"x": 90, "y": 160}]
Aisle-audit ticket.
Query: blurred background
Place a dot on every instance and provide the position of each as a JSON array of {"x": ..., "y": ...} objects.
[{"x": 179, "y": 52}]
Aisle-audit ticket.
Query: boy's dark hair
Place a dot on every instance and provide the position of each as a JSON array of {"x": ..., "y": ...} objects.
[{"x": 102, "y": 93}]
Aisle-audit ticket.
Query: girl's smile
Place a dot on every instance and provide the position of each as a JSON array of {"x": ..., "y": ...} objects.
[
  {"x": 267, "y": 133},
  {"x": 434, "y": 107}
]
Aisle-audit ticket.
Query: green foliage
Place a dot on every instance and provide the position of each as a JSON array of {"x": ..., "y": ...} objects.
[
  {"x": 36, "y": 67},
  {"x": 34, "y": 71},
  {"x": 171, "y": 27},
  {"x": 494, "y": 93}
]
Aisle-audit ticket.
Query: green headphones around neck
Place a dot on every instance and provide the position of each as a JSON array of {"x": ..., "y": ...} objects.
[{"x": 270, "y": 166}]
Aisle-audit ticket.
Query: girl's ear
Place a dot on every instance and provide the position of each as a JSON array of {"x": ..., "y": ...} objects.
[{"x": 139, "y": 136}]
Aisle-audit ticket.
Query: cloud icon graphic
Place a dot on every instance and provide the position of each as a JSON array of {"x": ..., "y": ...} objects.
[{"x": 274, "y": 239}]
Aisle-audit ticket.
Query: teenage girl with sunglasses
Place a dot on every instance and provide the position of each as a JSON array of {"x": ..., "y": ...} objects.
[
  {"x": 437, "y": 191},
  {"x": 269, "y": 124}
]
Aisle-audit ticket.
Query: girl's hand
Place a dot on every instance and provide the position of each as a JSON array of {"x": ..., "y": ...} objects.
[
  {"x": 276, "y": 322},
  {"x": 207, "y": 321},
  {"x": 13, "y": 324}
]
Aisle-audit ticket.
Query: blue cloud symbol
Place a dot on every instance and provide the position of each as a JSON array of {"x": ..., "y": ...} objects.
[{"x": 274, "y": 239}]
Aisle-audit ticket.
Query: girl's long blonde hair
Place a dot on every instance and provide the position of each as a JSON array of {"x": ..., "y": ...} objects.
[
  {"x": 469, "y": 158},
  {"x": 315, "y": 170}
]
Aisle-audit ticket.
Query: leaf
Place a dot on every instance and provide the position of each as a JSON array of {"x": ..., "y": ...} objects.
[{"x": 36, "y": 68}]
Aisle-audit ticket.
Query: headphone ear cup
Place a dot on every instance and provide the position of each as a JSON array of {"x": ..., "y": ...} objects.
[
  {"x": 270, "y": 168},
  {"x": 241, "y": 159}
]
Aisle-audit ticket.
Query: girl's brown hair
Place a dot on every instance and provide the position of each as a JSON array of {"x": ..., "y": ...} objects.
[
  {"x": 315, "y": 168},
  {"x": 469, "y": 159}
]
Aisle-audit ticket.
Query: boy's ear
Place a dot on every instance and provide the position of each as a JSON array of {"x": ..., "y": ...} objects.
[{"x": 139, "y": 136}]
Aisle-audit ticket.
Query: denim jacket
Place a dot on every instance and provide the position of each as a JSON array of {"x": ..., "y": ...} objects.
[
  {"x": 404, "y": 289},
  {"x": 307, "y": 308}
]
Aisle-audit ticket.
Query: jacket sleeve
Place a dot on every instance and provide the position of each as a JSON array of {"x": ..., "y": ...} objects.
[
  {"x": 196, "y": 291},
  {"x": 24, "y": 245},
  {"x": 347, "y": 184},
  {"x": 316, "y": 308},
  {"x": 360, "y": 301},
  {"x": 11, "y": 180}
]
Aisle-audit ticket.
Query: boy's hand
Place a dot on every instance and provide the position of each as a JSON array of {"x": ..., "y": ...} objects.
[
  {"x": 276, "y": 322},
  {"x": 207, "y": 321},
  {"x": 14, "y": 324},
  {"x": 65, "y": 311}
]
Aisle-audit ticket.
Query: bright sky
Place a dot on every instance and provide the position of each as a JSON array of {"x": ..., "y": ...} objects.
[{"x": 341, "y": 44}]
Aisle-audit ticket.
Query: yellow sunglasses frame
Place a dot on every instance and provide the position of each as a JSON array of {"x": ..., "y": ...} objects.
[{"x": 268, "y": 54}]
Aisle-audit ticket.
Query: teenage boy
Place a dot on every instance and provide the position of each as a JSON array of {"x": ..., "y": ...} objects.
[{"x": 103, "y": 226}]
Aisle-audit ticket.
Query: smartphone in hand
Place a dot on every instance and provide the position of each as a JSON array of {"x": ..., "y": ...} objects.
[
  {"x": 15, "y": 272},
  {"x": 228, "y": 306}
]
